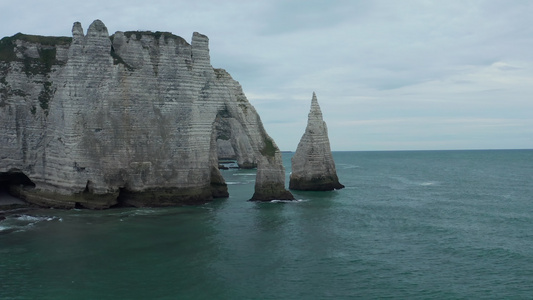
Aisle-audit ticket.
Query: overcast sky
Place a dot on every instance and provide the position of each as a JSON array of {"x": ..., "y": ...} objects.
[{"x": 389, "y": 75}]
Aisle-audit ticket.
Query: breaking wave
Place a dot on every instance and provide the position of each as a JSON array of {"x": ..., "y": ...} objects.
[
  {"x": 289, "y": 201},
  {"x": 347, "y": 166},
  {"x": 233, "y": 182},
  {"x": 14, "y": 223}
]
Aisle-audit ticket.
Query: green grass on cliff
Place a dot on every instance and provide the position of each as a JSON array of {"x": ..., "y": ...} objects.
[
  {"x": 7, "y": 44},
  {"x": 44, "y": 40},
  {"x": 269, "y": 149},
  {"x": 157, "y": 35},
  {"x": 45, "y": 96},
  {"x": 7, "y": 49},
  {"x": 46, "y": 48}
]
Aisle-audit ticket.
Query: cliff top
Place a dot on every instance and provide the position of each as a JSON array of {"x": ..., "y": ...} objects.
[
  {"x": 43, "y": 40},
  {"x": 156, "y": 35},
  {"x": 315, "y": 113},
  {"x": 7, "y": 44}
]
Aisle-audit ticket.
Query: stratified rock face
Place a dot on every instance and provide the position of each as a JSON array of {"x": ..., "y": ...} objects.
[
  {"x": 313, "y": 168},
  {"x": 131, "y": 119}
]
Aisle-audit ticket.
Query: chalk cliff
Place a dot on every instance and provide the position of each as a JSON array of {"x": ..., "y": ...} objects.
[
  {"x": 136, "y": 118},
  {"x": 313, "y": 168}
]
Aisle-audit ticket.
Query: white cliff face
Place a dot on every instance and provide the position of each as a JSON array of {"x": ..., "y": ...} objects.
[
  {"x": 128, "y": 119},
  {"x": 313, "y": 168}
]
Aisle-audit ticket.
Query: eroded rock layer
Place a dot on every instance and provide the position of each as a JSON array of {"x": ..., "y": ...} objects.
[
  {"x": 313, "y": 168},
  {"x": 135, "y": 118}
]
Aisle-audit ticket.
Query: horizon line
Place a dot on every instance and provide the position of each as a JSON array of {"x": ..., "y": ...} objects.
[{"x": 413, "y": 150}]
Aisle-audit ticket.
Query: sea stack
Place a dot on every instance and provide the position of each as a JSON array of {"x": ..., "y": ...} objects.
[{"x": 313, "y": 168}]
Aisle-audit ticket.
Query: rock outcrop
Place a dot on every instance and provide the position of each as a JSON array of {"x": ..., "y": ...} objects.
[
  {"x": 136, "y": 118},
  {"x": 313, "y": 168}
]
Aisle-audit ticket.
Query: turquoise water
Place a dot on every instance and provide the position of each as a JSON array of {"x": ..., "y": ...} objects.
[{"x": 408, "y": 225}]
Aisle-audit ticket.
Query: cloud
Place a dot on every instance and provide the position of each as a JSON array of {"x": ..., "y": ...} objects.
[
  {"x": 284, "y": 17},
  {"x": 437, "y": 133},
  {"x": 369, "y": 61}
]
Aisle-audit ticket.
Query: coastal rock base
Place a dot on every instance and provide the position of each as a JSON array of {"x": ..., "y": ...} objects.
[
  {"x": 272, "y": 192},
  {"x": 325, "y": 183}
]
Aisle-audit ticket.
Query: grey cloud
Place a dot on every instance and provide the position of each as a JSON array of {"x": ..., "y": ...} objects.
[
  {"x": 367, "y": 60},
  {"x": 304, "y": 15}
]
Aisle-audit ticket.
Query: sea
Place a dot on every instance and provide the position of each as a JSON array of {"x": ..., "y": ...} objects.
[{"x": 408, "y": 225}]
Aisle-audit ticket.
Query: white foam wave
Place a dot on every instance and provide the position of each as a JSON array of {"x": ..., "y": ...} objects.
[
  {"x": 34, "y": 219},
  {"x": 28, "y": 218},
  {"x": 408, "y": 182},
  {"x": 288, "y": 201},
  {"x": 347, "y": 166},
  {"x": 18, "y": 223},
  {"x": 15, "y": 227},
  {"x": 143, "y": 212}
]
